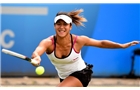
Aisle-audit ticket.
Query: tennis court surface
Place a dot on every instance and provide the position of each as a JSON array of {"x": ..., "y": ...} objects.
[{"x": 52, "y": 82}]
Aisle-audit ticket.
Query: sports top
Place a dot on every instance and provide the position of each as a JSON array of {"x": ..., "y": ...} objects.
[{"x": 65, "y": 66}]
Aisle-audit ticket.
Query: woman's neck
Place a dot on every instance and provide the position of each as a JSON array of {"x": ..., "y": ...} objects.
[{"x": 63, "y": 41}]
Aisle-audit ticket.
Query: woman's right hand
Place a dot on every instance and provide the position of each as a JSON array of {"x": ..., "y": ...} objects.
[{"x": 36, "y": 61}]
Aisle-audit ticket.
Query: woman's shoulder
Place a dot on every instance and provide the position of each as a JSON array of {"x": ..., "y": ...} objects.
[
  {"x": 79, "y": 36},
  {"x": 48, "y": 39}
]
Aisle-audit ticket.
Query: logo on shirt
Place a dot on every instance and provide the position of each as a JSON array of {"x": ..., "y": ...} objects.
[{"x": 75, "y": 58}]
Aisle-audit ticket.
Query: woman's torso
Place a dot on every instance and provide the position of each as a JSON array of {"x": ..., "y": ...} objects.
[{"x": 68, "y": 61}]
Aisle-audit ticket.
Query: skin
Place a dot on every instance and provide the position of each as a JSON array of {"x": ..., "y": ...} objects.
[{"x": 63, "y": 46}]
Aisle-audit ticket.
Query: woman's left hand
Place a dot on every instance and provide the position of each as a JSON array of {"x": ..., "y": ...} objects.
[{"x": 130, "y": 44}]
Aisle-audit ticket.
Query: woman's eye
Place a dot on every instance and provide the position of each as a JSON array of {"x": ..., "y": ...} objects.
[
  {"x": 65, "y": 24},
  {"x": 58, "y": 23}
]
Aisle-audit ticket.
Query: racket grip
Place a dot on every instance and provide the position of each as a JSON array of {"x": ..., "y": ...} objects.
[{"x": 28, "y": 59}]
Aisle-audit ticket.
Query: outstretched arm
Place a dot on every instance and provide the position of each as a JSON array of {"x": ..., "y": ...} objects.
[
  {"x": 40, "y": 49},
  {"x": 110, "y": 44},
  {"x": 106, "y": 43}
]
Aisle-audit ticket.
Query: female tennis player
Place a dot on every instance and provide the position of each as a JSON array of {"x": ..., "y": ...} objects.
[{"x": 64, "y": 50}]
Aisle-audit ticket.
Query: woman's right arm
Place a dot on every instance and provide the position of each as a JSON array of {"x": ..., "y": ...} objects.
[{"x": 40, "y": 49}]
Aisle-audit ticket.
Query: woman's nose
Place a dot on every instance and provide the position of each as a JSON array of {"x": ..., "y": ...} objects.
[{"x": 61, "y": 26}]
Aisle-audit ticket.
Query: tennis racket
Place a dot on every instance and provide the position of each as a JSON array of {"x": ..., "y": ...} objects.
[{"x": 18, "y": 55}]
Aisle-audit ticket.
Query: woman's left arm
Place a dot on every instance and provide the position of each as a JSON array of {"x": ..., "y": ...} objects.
[
  {"x": 111, "y": 44},
  {"x": 106, "y": 43}
]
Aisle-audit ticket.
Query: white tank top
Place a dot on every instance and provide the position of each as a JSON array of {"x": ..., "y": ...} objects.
[{"x": 65, "y": 66}]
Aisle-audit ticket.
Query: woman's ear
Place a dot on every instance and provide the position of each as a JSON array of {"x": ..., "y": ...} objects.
[{"x": 70, "y": 26}]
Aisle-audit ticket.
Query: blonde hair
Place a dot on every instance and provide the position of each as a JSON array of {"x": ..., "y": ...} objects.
[{"x": 74, "y": 15}]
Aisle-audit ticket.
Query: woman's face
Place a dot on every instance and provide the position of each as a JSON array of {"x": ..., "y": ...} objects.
[{"x": 62, "y": 28}]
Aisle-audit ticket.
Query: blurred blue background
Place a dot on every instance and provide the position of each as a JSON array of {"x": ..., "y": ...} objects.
[{"x": 23, "y": 26}]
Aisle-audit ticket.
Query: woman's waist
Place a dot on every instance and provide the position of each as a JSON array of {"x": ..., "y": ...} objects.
[{"x": 75, "y": 66}]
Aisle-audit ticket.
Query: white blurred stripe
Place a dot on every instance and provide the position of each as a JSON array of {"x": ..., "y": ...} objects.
[{"x": 24, "y": 10}]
